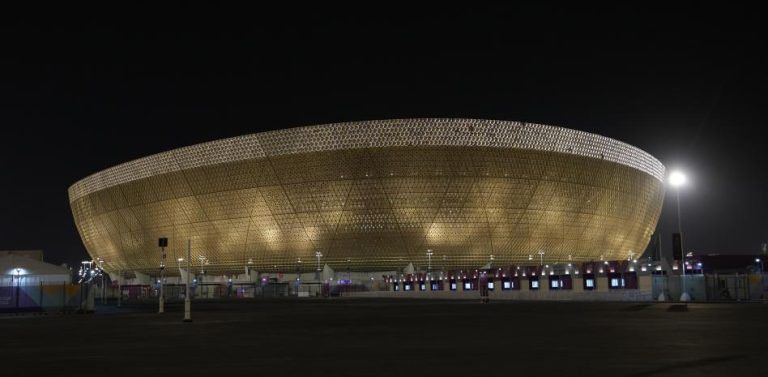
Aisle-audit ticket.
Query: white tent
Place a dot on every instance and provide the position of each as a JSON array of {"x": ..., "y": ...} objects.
[{"x": 24, "y": 269}]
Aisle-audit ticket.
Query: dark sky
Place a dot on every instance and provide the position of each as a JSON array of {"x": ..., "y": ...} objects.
[{"x": 686, "y": 85}]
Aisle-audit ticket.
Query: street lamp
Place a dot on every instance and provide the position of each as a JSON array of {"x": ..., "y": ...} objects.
[
  {"x": 349, "y": 270},
  {"x": 677, "y": 179},
  {"x": 203, "y": 262},
  {"x": 100, "y": 267},
  {"x": 318, "y": 255},
  {"x": 161, "y": 308},
  {"x": 298, "y": 276},
  {"x": 18, "y": 286},
  {"x": 187, "y": 298}
]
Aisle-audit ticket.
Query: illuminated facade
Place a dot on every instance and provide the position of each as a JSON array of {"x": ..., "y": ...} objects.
[{"x": 375, "y": 196}]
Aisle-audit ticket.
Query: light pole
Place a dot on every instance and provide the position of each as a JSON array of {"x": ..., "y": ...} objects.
[
  {"x": 349, "y": 271},
  {"x": 86, "y": 277},
  {"x": 103, "y": 281},
  {"x": 541, "y": 254},
  {"x": 298, "y": 276},
  {"x": 187, "y": 299},
  {"x": 317, "y": 273},
  {"x": 677, "y": 180},
  {"x": 18, "y": 286},
  {"x": 119, "y": 288},
  {"x": 162, "y": 242},
  {"x": 429, "y": 264}
]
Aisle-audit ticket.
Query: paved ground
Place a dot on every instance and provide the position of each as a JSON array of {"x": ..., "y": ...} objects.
[{"x": 377, "y": 337}]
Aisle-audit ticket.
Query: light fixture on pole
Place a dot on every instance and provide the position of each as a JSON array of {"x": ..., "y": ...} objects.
[
  {"x": 677, "y": 180},
  {"x": 102, "y": 276},
  {"x": 298, "y": 276},
  {"x": 349, "y": 271},
  {"x": 187, "y": 299},
  {"x": 18, "y": 286},
  {"x": 162, "y": 243},
  {"x": 429, "y": 261},
  {"x": 318, "y": 255}
]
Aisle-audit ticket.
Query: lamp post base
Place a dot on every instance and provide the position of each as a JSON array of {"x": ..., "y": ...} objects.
[
  {"x": 685, "y": 297},
  {"x": 187, "y": 310},
  {"x": 662, "y": 297}
]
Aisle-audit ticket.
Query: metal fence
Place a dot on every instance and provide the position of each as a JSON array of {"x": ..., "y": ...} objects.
[
  {"x": 42, "y": 297},
  {"x": 713, "y": 287}
]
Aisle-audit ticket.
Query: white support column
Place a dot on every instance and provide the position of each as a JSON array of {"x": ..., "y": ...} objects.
[
  {"x": 187, "y": 301},
  {"x": 119, "y": 289}
]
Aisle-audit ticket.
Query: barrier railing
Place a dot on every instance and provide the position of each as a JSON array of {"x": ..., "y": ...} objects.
[{"x": 42, "y": 297}]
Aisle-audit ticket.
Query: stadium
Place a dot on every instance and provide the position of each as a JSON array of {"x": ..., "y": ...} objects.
[{"x": 377, "y": 196}]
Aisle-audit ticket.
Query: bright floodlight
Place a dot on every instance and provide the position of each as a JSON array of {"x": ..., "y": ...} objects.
[{"x": 676, "y": 179}]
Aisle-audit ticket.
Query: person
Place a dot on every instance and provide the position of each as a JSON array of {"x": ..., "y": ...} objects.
[{"x": 483, "y": 281}]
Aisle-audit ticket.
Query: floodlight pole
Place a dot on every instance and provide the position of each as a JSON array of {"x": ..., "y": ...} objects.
[
  {"x": 103, "y": 282},
  {"x": 429, "y": 264},
  {"x": 298, "y": 276},
  {"x": 18, "y": 286},
  {"x": 119, "y": 289},
  {"x": 103, "y": 288},
  {"x": 162, "y": 269},
  {"x": 684, "y": 295},
  {"x": 187, "y": 301}
]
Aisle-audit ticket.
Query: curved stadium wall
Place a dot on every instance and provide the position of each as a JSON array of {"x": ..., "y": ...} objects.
[{"x": 375, "y": 196}]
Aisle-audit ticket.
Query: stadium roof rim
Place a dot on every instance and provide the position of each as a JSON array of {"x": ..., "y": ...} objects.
[{"x": 374, "y": 134}]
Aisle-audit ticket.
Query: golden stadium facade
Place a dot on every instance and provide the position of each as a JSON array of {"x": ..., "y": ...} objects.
[{"x": 375, "y": 196}]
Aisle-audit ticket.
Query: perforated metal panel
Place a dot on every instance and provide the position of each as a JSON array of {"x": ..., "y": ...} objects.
[{"x": 376, "y": 195}]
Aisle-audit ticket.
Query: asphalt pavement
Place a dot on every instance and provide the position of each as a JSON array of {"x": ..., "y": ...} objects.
[{"x": 383, "y": 337}]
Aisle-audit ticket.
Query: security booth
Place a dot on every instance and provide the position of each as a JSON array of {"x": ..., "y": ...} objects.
[
  {"x": 436, "y": 285},
  {"x": 396, "y": 285},
  {"x": 452, "y": 284},
  {"x": 422, "y": 285},
  {"x": 407, "y": 286}
]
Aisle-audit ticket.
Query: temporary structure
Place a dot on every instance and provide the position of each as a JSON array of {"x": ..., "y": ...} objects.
[{"x": 27, "y": 268}]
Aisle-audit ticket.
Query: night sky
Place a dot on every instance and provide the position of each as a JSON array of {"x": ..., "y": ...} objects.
[{"x": 687, "y": 85}]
